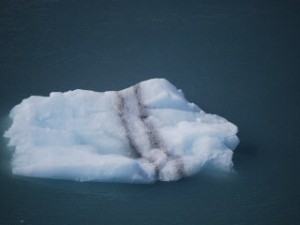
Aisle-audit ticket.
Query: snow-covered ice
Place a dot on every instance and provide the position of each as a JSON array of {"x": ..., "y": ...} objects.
[{"x": 144, "y": 133}]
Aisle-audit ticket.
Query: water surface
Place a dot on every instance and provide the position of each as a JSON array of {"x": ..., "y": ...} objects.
[{"x": 234, "y": 58}]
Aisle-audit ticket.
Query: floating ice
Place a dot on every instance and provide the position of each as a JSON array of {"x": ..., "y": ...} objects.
[{"x": 144, "y": 133}]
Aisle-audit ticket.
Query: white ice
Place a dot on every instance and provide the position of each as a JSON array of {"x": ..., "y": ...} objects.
[{"x": 144, "y": 133}]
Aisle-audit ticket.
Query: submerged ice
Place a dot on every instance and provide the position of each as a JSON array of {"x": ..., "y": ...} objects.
[{"x": 144, "y": 133}]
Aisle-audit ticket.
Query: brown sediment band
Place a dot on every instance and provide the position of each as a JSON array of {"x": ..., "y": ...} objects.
[
  {"x": 122, "y": 115},
  {"x": 155, "y": 141},
  {"x": 153, "y": 137}
]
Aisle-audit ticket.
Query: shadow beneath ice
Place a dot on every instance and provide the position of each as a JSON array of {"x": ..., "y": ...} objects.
[
  {"x": 6, "y": 152},
  {"x": 244, "y": 156}
]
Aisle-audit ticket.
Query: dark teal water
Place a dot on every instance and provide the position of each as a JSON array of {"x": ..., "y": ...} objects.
[{"x": 239, "y": 59}]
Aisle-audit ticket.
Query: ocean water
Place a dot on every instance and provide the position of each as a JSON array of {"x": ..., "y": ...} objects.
[{"x": 234, "y": 58}]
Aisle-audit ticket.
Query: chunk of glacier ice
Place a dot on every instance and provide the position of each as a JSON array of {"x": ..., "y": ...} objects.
[{"x": 144, "y": 133}]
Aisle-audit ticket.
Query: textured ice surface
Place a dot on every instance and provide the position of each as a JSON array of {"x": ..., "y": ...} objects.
[{"x": 144, "y": 133}]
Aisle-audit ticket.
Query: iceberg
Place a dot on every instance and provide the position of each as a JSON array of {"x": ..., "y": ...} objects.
[{"x": 145, "y": 133}]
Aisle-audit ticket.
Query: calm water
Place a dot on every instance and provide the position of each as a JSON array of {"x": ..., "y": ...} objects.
[{"x": 235, "y": 58}]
